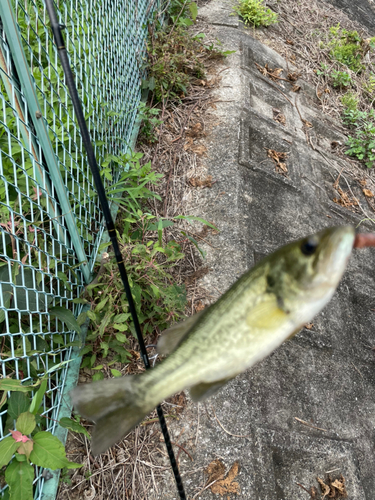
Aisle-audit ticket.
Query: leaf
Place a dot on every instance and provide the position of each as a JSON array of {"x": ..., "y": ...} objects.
[
  {"x": 19, "y": 476},
  {"x": 121, "y": 337},
  {"x": 98, "y": 376},
  {"x": 26, "y": 448},
  {"x": 65, "y": 316},
  {"x": 190, "y": 218},
  {"x": 17, "y": 404},
  {"x": 49, "y": 452},
  {"x": 38, "y": 397},
  {"x": 25, "y": 296},
  {"x": 116, "y": 373},
  {"x": 26, "y": 423},
  {"x": 193, "y": 10},
  {"x": 74, "y": 426},
  {"x": 8, "y": 447},
  {"x": 3, "y": 399},
  {"x": 10, "y": 384}
]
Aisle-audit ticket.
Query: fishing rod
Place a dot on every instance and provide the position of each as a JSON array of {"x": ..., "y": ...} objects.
[{"x": 59, "y": 40}]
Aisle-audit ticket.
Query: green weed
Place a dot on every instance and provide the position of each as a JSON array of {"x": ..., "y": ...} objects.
[
  {"x": 346, "y": 48},
  {"x": 255, "y": 13},
  {"x": 362, "y": 143},
  {"x": 149, "y": 122}
]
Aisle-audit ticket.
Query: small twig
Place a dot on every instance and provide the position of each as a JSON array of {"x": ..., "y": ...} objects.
[
  {"x": 183, "y": 449},
  {"x": 205, "y": 488},
  {"x": 300, "y": 485},
  {"x": 225, "y": 430},
  {"x": 310, "y": 425}
]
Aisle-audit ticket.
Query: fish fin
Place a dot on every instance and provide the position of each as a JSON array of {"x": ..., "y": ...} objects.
[
  {"x": 266, "y": 315},
  {"x": 115, "y": 407},
  {"x": 204, "y": 390},
  {"x": 171, "y": 337}
]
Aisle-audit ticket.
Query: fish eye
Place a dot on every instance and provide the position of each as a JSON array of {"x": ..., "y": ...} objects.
[{"x": 309, "y": 246}]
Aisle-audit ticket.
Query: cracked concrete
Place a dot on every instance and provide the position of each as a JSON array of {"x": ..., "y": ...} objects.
[{"x": 325, "y": 376}]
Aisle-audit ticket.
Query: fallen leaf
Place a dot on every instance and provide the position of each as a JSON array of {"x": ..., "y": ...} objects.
[
  {"x": 307, "y": 123},
  {"x": 278, "y": 116},
  {"x": 324, "y": 487},
  {"x": 205, "y": 182},
  {"x": 345, "y": 200},
  {"x": 368, "y": 193},
  {"x": 309, "y": 326},
  {"x": 215, "y": 470},
  {"x": 289, "y": 42},
  {"x": 198, "y": 149},
  {"x": 296, "y": 88},
  {"x": 222, "y": 486},
  {"x": 277, "y": 156},
  {"x": 293, "y": 77}
]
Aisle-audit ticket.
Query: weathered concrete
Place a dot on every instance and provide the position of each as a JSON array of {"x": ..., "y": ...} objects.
[
  {"x": 324, "y": 376},
  {"x": 362, "y": 11}
]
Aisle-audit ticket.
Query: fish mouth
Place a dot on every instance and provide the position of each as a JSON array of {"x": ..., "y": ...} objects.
[{"x": 336, "y": 246}]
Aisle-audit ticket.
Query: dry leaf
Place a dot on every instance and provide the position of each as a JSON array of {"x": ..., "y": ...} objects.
[
  {"x": 205, "y": 182},
  {"x": 296, "y": 88},
  {"x": 199, "y": 306},
  {"x": 293, "y": 77},
  {"x": 195, "y": 131},
  {"x": 324, "y": 487},
  {"x": 199, "y": 149},
  {"x": 309, "y": 326},
  {"x": 327, "y": 90},
  {"x": 368, "y": 193},
  {"x": 307, "y": 123},
  {"x": 289, "y": 42},
  {"x": 277, "y": 156},
  {"x": 345, "y": 200},
  {"x": 215, "y": 470},
  {"x": 222, "y": 486},
  {"x": 278, "y": 116}
]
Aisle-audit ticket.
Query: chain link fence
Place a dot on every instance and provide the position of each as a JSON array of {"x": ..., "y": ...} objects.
[{"x": 50, "y": 220}]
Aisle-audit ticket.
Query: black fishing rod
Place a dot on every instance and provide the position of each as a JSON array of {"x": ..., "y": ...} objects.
[{"x": 59, "y": 40}]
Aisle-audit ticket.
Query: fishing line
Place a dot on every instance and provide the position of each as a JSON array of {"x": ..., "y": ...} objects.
[{"x": 59, "y": 40}]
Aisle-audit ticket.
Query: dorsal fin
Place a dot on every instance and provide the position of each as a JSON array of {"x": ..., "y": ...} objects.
[{"x": 171, "y": 337}]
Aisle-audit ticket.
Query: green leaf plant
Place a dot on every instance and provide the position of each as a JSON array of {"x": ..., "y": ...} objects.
[{"x": 28, "y": 444}]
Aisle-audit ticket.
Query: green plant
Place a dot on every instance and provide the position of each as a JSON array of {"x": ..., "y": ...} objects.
[
  {"x": 350, "y": 102},
  {"x": 369, "y": 86},
  {"x": 175, "y": 58},
  {"x": 255, "y": 13},
  {"x": 159, "y": 299},
  {"x": 172, "y": 63},
  {"x": 149, "y": 121},
  {"x": 183, "y": 12},
  {"x": 129, "y": 180},
  {"x": 362, "y": 143},
  {"x": 341, "y": 79},
  {"x": 346, "y": 47},
  {"x": 28, "y": 442}
]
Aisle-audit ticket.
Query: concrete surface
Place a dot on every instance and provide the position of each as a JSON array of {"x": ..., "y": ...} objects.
[{"x": 324, "y": 376}]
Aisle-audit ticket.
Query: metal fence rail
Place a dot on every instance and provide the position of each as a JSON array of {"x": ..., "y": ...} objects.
[{"x": 50, "y": 219}]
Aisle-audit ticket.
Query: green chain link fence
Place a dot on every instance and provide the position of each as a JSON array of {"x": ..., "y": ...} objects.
[{"x": 51, "y": 223}]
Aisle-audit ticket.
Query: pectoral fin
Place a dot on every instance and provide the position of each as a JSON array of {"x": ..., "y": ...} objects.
[
  {"x": 267, "y": 314},
  {"x": 204, "y": 390},
  {"x": 171, "y": 337}
]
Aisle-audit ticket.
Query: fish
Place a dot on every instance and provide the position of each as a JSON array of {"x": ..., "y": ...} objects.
[{"x": 266, "y": 306}]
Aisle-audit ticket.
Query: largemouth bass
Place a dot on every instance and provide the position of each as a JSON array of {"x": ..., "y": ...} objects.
[{"x": 266, "y": 306}]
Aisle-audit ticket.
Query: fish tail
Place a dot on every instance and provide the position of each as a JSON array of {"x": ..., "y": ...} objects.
[{"x": 115, "y": 405}]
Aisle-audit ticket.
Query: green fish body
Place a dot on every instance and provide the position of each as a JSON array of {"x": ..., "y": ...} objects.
[{"x": 266, "y": 306}]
